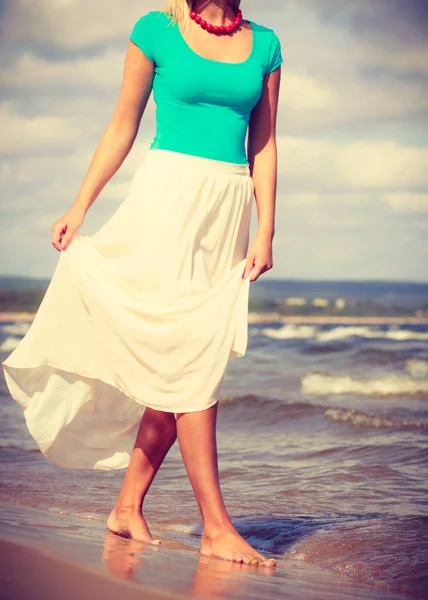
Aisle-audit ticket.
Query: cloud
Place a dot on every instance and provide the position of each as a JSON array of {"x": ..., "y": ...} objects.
[
  {"x": 325, "y": 235},
  {"x": 407, "y": 202},
  {"x": 391, "y": 21},
  {"x": 84, "y": 75},
  {"x": 337, "y": 82},
  {"x": 313, "y": 164},
  {"x": 312, "y": 104},
  {"x": 65, "y": 28},
  {"x": 25, "y": 135}
]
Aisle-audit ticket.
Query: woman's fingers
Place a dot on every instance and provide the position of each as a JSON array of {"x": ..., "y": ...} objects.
[
  {"x": 58, "y": 229},
  {"x": 248, "y": 266},
  {"x": 62, "y": 234},
  {"x": 260, "y": 268},
  {"x": 259, "y": 257},
  {"x": 66, "y": 239},
  {"x": 257, "y": 271},
  {"x": 64, "y": 229},
  {"x": 254, "y": 268}
]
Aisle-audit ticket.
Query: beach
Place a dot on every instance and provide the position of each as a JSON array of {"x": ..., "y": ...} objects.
[
  {"x": 27, "y": 572},
  {"x": 322, "y": 432},
  {"x": 43, "y": 558}
]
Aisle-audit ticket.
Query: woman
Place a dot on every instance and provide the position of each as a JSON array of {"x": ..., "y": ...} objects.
[{"x": 129, "y": 346}]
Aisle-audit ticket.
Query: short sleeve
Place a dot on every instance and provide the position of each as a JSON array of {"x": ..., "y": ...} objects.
[
  {"x": 143, "y": 35},
  {"x": 274, "y": 56}
]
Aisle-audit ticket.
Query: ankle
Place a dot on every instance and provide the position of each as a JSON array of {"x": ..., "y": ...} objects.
[
  {"x": 126, "y": 507},
  {"x": 214, "y": 530}
]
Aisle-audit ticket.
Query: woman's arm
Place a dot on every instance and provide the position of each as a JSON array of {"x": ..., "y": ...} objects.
[
  {"x": 115, "y": 143},
  {"x": 262, "y": 158}
]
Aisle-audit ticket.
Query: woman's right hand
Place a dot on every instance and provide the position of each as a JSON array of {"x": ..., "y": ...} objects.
[{"x": 64, "y": 229}]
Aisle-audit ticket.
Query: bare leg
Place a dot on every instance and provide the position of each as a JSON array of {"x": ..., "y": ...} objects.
[
  {"x": 156, "y": 434},
  {"x": 197, "y": 439}
]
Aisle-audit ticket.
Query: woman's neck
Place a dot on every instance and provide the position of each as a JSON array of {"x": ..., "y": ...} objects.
[{"x": 214, "y": 11}]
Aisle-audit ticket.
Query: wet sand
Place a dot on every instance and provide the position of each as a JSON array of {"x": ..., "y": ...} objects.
[
  {"x": 48, "y": 556},
  {"x": 28, "y": 572}
]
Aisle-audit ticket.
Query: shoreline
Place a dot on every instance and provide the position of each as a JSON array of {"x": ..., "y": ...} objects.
[
  {"x": 254, "y": 317},
  {"x": 47, "y": 556},
  {"x": 258, "y": 317}
]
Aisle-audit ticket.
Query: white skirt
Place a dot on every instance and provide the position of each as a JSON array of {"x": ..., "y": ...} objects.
[{"x": 146, "y": 312}]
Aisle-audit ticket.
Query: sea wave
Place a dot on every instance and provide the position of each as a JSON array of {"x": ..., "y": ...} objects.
[
  {"x": 360, "y": 419},
  {"x": 16, "y": 328},
  {"x": 292, "y": 331},
  {"x": 266, "y": 411},
  {"x": 363, "y": 550},
  {"x": 322, "y": 384},
  {"x": 417, "y": 367},
  {"x": 9, "y": 344}
]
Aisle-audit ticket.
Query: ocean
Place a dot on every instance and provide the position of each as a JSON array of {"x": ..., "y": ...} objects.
[{"x": 323, "y": 454}]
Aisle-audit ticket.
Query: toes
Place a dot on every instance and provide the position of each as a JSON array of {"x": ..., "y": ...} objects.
[
  {"x": 248, "y": 559},
  {"x": 268, "y": 562},
  {"x": 237, "y": 557}
]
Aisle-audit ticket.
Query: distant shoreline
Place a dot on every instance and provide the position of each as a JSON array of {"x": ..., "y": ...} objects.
[
  {"x": 303, "y": 319},
  {"x": 255, "y": 317},
  {"x": 15, "y": 316}
]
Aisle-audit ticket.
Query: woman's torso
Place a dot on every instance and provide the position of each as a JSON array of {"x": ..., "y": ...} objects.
[{"x": 202, "y": 105}]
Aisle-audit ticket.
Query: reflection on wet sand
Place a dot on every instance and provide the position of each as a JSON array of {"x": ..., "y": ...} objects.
[
  {"x": 119, "y": 555},
  {"x": 212, "y": 578},
  {"x": 217, "y": 578}
]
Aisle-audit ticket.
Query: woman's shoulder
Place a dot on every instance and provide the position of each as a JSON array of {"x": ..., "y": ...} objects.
[
  {"x": 266, "y": 34},
  {"x": 147, "y": 31},
  {"x": 269, "y": 46},
  {"x": 153, "y": 18}
]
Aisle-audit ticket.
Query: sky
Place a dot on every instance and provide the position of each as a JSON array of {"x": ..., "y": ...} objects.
[{"x": 352, "y": 130}]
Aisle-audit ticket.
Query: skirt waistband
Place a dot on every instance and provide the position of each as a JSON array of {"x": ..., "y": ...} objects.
[{"x": 195, "y": 162}]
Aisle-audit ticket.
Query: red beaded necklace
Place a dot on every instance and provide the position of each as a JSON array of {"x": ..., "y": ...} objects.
[{"x": 218, "y": 28}]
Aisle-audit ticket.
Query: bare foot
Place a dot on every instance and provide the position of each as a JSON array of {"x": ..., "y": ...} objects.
[
  {"x": 228, "y": 544},
  {"x": 129, "y": 523}
]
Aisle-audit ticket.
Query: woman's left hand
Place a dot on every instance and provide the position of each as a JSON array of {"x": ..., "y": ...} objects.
[{"x": 259, "y": 257}]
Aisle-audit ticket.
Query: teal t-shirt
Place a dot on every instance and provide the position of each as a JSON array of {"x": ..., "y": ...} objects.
[{"x": 203, "y": 106}]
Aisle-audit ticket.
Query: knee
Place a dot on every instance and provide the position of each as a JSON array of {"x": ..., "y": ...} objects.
[
  {"x": 170, "y": 426},
  {"x": 164, "y": 423}
]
